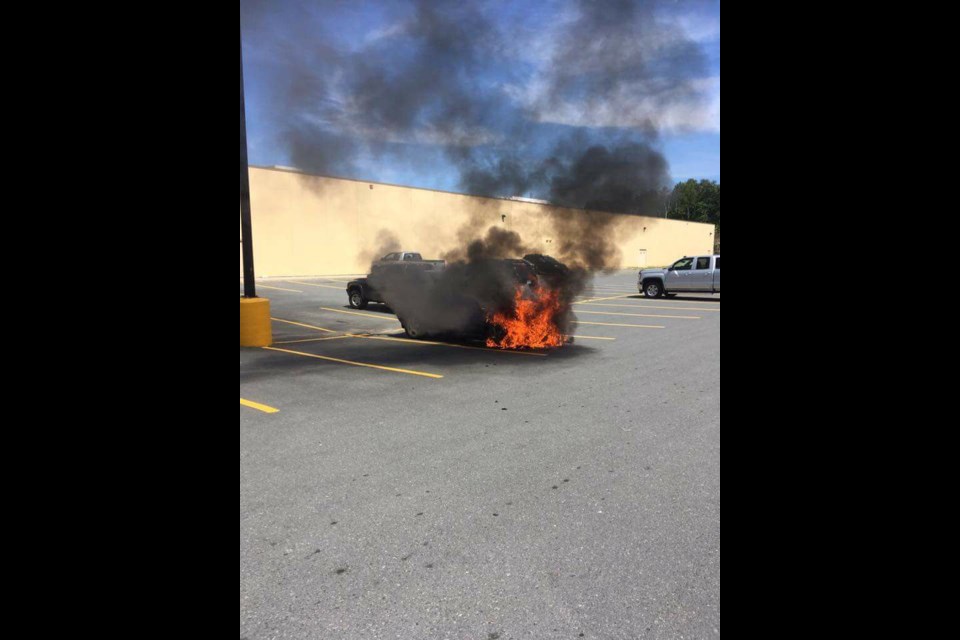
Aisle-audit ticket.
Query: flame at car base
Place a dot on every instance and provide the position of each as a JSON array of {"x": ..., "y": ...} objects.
[{"x": 533, "y": 323}]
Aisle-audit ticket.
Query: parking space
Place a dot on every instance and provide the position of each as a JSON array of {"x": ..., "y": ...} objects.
[{"x": 544, "y": 494}]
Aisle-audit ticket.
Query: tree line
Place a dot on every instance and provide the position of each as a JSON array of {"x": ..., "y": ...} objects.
[{"x": 696, "y": 201}]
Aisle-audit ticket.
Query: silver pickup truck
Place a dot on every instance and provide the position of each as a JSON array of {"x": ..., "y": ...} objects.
[
  {"x": 407, "y": 258},
  {"x": 700, "y": 274}
]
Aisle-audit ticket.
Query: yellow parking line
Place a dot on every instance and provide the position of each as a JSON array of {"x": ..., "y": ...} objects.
[
  {"x": 450, "y": 344},
  {"x": 604, "y": 294},
  {"x": 427, "y": 342},
  {"x": 626, "y": 295},
  {"x": 313, "y": 340},
  {"x": 343, "y": 282},
  {"x": 678, "y": 298},
  {"x": 649, "y": 306},
  {"x": 258, "y": 406},
  {"x": 385, "y": 338},
  {"x": 613, "y": 290},
  {"x": 365, "y": 315},
  {"x": 300, "y": 324},
  {"x": 322, "y": 286},
  {"x": 613, "y": 287},
  {"x": 358, "y": 364},
  {"x": 638, "y": 315},
  {"x": 607, "y": 324},
  {"x": 263, "y": 286}
]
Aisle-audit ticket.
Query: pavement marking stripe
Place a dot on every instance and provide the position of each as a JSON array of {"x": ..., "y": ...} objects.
[
  {"x": 607, "y": 324},
  {"x": 603, "y": 290},
  {"x": 322, "y": 286},
  {"x": 312, "y": 340},
  {"x": 263, "y": 286},
  {"x": 365, "y": 315},
  {"x": 258, "y": 406},
  {"x": 310, "y": 326},
  {"x": 454, "y": 346},
  {"x": 300, "y": 324},
  {"x": 388, "y": 339},
  {"x": 670, "y": 300},
  {"x": 358, "y": 364},
  {"x": 605, "y": 294},
  {"x": 626, "y": 295},
  {"x": 637, "y": 315},
  {"x": 344, "y": 282},
  {"x": 649, "y": 306}
]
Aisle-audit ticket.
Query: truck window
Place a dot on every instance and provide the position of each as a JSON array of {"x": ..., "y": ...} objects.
[
  {"x": 683, "y": 265},
  {"x": 718, "y": 263},
  {"x": 703, "y": 264},
  {"x": 412, "y": 257}
]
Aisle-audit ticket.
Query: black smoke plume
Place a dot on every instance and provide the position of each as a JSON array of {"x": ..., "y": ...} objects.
[
  {"x": 444, "y": 76},
  {"x": 576, "y": 122}
]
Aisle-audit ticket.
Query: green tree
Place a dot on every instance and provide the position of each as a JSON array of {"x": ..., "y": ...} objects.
[{"x": 697, "y": 202}]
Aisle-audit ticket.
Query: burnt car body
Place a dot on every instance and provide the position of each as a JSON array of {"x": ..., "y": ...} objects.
[
  {"x": 551, "y": 271},
  {"x": 546, "y": 265},
  {"x": 456, "y": 316},
  {"x": 376, "y": 286},
  {"x": 452, "y": 302},
  {"x": 458, "y": 303}
]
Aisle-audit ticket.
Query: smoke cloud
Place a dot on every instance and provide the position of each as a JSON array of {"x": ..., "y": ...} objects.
[
  {"x": 563, "y": 101},
  {"x": 568, "y": 109}
]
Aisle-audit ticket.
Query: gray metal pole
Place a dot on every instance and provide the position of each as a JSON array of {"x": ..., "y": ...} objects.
[{"x": 246, "y": 228}]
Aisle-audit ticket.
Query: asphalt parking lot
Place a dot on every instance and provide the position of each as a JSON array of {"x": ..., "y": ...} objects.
[{"x": 399, "y": 489}]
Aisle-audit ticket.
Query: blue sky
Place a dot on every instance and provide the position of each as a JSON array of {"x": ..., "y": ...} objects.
[{"x": 318, "y": 35}]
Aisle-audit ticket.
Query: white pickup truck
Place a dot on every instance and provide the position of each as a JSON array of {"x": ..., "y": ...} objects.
[{"x": 699, "y": 274}]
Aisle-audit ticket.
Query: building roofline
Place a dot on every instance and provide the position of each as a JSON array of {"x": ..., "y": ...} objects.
[{"x": 300, "y": 172}]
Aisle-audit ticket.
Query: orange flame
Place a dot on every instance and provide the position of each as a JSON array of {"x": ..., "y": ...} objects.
[{"x": 531, "y": 324}]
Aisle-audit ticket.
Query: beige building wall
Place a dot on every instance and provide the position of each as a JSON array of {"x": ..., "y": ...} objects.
[{"x": 309, "y": 225}]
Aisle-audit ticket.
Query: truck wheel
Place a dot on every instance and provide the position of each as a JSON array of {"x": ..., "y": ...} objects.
[
  {"x": 652, "y": 289},
  {"x": 357, "y": 301}
]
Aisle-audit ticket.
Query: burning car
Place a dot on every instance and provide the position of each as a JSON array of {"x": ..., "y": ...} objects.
[
  {"x": 458, "y": 316},
  {"x": 499, "y": 302},
  {"x": 547, "y": 265},
  {"x": 393, "y": 269}
]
